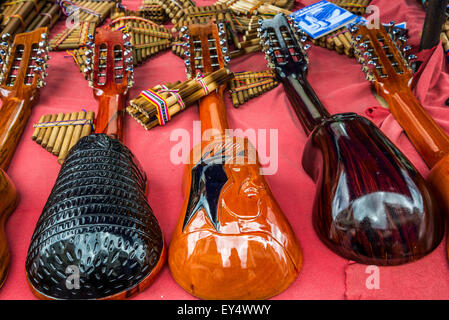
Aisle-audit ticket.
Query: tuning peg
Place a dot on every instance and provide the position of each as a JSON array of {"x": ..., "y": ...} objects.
[
  {"x": 183, "y": 29},
  {"x": 129, "y": 60},
  {"x": 187, "y": 54},
  {"x": 41, "y": 83},
  {"x": 129, "y": 69},
  {"x": 185, "y": 37},
  {"x": 227, "y": 59},
  {"x": 371, "y": 63},
  {"x": 6, "y": 37},
  {"x": 411, "y": 57},
  {"x": 369, "y": 77},
  {"x": 307, "y": 47},
  {"x": 406, "y": 48},
  {"x": 126, "y": 37},
  {"x": 90, "y": 44},
  {"x": 187, "y": 63},
  {"x": 127, "y": 45},
  {"x": 88, "y": 53},
  {"x": 403, "y": 39},
  {"x": 260, "y": 22},
  {"x": 353, "y": 28},
  {"x": 44, "y": 36},
  {"x": 221, "y": 26}
]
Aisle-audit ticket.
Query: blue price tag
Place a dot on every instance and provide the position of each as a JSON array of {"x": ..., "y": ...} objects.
[{"x": 322, "y": 18}]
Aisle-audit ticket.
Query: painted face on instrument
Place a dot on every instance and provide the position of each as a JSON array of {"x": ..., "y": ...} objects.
[
  {"x": 244, "y": 198},
  {"x": 226, "y": 185}
]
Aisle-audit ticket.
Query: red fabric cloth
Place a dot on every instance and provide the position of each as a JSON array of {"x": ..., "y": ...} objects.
[{"x": 341, "y": 86}]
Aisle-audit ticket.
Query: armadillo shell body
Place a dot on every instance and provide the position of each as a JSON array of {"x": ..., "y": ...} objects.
[{"x": 97, "y": 222}]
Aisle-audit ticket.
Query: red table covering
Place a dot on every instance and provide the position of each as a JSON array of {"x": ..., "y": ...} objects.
[{"x": 341, "y": 86}]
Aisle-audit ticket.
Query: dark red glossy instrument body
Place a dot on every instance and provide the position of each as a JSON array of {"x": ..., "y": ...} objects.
[
  {"x": 392, "y": 79},
  {"x": 371, "y": 205}
]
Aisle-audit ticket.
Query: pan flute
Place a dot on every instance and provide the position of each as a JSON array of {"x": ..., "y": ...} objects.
[
  {"x": 90, "y": 14},
  {"x": 354, "y": 6},
  {"x": 58, "y": 133},
  {"x": 26, "y": 16},
  {"x": 248, "y": 85},
  {"x": 147, "y": 37}
]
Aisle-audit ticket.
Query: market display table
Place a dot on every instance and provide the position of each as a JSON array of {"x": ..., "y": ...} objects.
[{"x": 341, "y": 86}]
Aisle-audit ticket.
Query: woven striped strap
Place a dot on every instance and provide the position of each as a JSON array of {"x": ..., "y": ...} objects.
[
  {"x": 160, "y": 103},
  {"x": 199, "y": 78}
]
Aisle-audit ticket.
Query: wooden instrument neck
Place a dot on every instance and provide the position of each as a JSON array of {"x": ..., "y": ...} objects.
[
  {"x": 110, "y": 116},
  {"x": 429, "y": 139},
  {"x": 212, "y": 110},
  {"x": 306, "y": 104},
  {"x": 14, "y": 115}
]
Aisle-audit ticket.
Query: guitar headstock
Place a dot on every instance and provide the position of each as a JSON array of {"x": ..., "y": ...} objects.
[
  {"x": 383, "y": 54},
  {"x": 205, "y": 48},
  {"x": 283, "y": 47},
  {"x": 23, "y": 63},
  {"x": 109, "y": 61}
]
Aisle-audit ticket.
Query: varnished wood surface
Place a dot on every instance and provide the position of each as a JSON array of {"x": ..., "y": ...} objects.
[
  {"x": 8, "y": 202},
  {"x": 112, "y": 94},
  {"x": 254, "y": 254},
  {"x": 17, "y": 100},
  {"x": 14, "y": 115},
  {"x": 110, "y": 114},
  {"x": 426, "y": 135},
  {"x": 232, "y": 240},
  {"x": 371, "y": 205}
]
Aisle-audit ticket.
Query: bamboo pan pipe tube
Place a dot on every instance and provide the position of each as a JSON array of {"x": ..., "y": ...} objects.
[
  {"x": 62, "y": 133},
  {"x": 87, "y": 128},
  {"x": 36, "y": 130},
  {"x": 67, "y": 139},
  {"x": 54, "y": 133},
  {"x": 189, "y": 91},
  {"x": 77, "y": 130},
  {"x": 47, "y": 131},
  {"x": 40, "y": 136},
  {"x": 16, "y": 21}
]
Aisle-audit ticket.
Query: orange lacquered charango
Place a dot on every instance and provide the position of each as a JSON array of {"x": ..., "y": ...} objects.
[
  {"x": 22, "y": 73},
  {"x": 97, "y": 237},
  {"x": 232, "y": 240}
]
